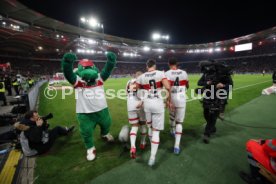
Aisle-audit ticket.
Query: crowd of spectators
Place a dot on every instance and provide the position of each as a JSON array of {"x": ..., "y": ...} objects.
[{"x": 48, "y": 67}]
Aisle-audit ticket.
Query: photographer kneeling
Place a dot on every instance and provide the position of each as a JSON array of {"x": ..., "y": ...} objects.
[
  {"x": 35, "y": 137},
  {"x": 216, "y": 81}
]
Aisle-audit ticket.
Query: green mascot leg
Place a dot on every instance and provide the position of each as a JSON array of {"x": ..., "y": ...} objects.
[
  {"x": 88, "y": 123},
  {"x": 87, "y": 126},
  {"x": 105, "y": 121}
]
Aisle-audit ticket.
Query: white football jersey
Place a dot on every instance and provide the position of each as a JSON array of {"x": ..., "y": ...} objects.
[
  {"x": 151, "y": 84},
  {"x": 89, "y": 98},
  {"x": 178, "y": 80},
  {"x": 132, "y": 99}
]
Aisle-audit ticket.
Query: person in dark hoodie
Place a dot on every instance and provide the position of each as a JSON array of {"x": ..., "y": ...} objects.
[
  {"x": 8, "y": 84},
  {"x": 37, "y": 136}
]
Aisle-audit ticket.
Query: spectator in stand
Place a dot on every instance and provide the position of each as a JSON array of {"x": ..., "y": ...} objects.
[
  {"x": 8, "y": 84},
  {"x": 15, "y": 85},
  {"x": 3, "y": 91}
]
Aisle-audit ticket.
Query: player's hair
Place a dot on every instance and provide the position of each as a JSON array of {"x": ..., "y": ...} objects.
[
  {"x": 151, "y": 63},
  {"x": 138, "y": 73},
  {"x": 172, "y": 61}
]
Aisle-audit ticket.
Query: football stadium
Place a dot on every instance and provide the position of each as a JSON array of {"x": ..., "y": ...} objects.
[{"x": 80, "y": 105}]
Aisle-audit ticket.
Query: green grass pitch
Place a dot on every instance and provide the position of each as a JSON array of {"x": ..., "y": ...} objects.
[{"x": 66, "y": 162}]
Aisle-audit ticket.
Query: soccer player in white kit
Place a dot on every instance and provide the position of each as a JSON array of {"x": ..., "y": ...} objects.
[
  {"x": 152, "y": 83},
  {"x": 179, "y": 83},
  {"x": 136, "y": 115}
]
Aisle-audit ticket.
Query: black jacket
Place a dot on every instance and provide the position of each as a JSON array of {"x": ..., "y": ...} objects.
[
  {"x": 207, "y": 102},
  {"x": 36, "y": 135},
  {"x": 8, "y": 82},
  {"x": 227, "y": 81}
]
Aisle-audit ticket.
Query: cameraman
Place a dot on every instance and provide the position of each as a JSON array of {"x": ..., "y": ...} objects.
[
  {"x": 215, "y": 77},
  {"x": 36, "y": 137}
]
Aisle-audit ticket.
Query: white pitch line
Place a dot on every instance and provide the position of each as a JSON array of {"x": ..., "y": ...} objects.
[
  {"x": 251, "y": 85},
  {"x": 237, "y": 88}
]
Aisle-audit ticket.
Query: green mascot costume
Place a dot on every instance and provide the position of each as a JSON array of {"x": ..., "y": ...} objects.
[{"x": 91, "y": 106}]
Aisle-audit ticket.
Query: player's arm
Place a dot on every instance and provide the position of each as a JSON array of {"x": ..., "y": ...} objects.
[
  {"x": 127, "y": 86},
  {"x": 67, "y": 67},
  {"x": 109, "y": 66},
  {"x": 141, "y": 98},
  {"x": 138, "y": 87},
  {"x": 138, "y": 84},
  {"x": 140, "y": 104},
  {"x": 167, "y": 86}
]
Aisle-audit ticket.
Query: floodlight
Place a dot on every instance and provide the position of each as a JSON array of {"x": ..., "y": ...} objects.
[
  {"x": 217, "y": 49},
  {"x": 83, "y": 19},
  {"x": 146, "y": 48},
  {"x": 156, "y": 36},
  {"x": 93, "y": 22}
]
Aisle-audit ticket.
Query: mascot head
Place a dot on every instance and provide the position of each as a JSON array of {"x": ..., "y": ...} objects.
[{"x": 87, "y": 71}]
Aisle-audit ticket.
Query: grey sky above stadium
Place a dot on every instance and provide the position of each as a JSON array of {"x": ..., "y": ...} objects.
[{"x": 185, "y": 21}]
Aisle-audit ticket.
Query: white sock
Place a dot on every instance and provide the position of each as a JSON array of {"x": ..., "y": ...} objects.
[
  {"x": 143, "y": 134},
  {"x": 154, "y": 143},
  {"x": 178, "y": 134},
  {"x": 150, "y": 133},
  {"x": 132, "y": 136}
]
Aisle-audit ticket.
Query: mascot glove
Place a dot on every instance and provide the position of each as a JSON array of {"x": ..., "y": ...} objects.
[
  {"x": 111, "y": 57},
  {"x": 69, "y": 57}
]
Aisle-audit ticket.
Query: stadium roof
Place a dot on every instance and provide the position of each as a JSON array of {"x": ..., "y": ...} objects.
[{"x": 37, "y": 23}]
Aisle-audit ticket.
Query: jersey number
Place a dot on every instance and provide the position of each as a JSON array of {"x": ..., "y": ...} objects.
[
  {"x": 176, "y": 82},
  {"x": 152, "y": 84}
]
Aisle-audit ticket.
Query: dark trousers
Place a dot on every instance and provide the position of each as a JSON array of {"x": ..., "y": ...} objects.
[
  {"x": 3, "y": 98},
  {"x": 53, "y": 135},
  {"x": 223, "y": 104},
  {"x": 211, "y": 119},
  {"x": 16, "y": 89},
  {"x": 9, "y": 89}
]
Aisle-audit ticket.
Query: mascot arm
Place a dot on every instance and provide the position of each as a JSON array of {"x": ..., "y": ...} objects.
[
  {"x": 67, "y": 67},
  {"x": 110, "y": 64}
]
